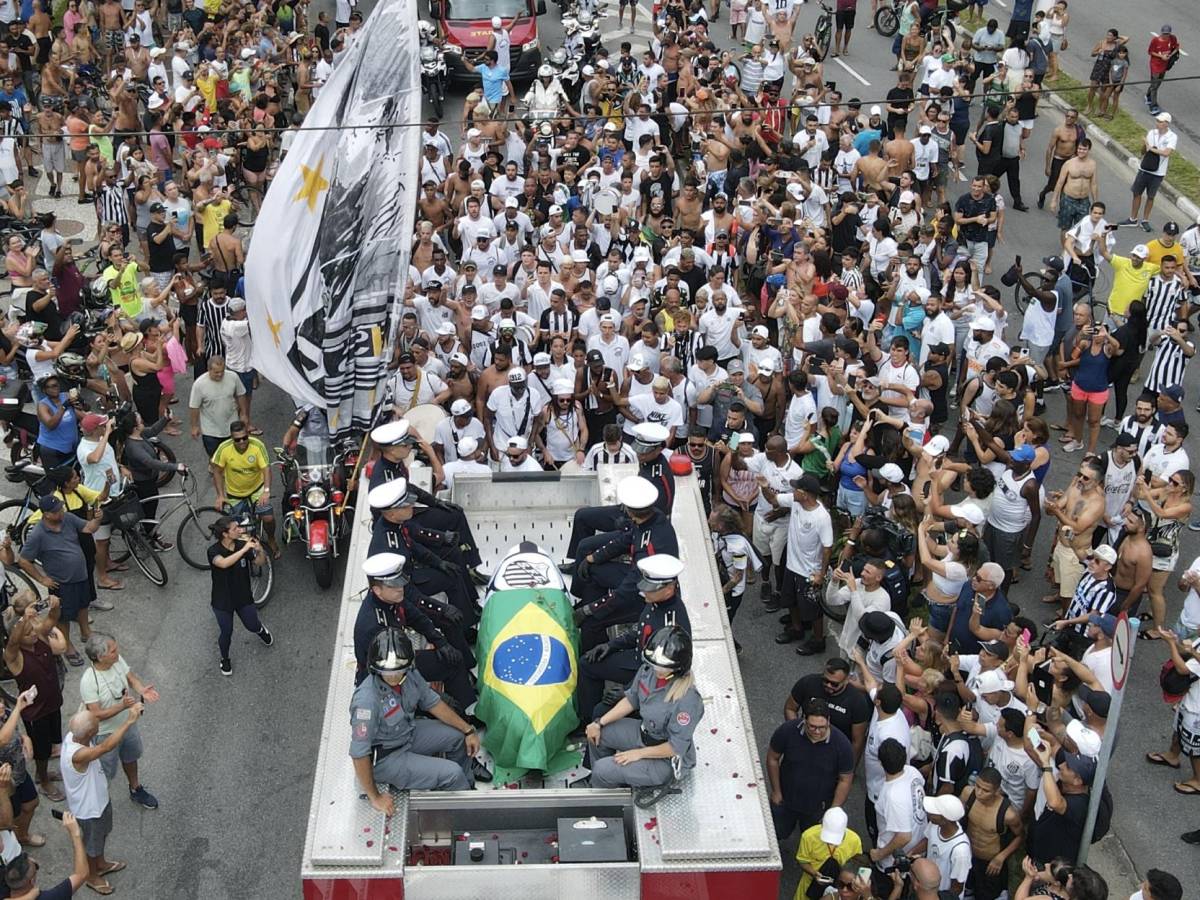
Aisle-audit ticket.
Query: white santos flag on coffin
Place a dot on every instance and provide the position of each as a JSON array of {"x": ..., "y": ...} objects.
[{"x": 331, "y": 247}]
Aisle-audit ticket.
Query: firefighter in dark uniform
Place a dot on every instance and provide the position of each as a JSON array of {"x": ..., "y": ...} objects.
[
  {"x": 441, "y": 525},
  {"x": 659, "y": 748},
  {"x": 619, "y": 659},
  {"x": 649, "y": 440},
  {"x": 395, "y": 506},
  {"x": 389, "y": 744},
  {"x": 604, "y": 581},
  {"x": 392, "y": 603}
]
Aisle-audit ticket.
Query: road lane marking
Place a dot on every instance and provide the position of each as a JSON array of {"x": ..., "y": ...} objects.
[{"x": 852, "y": 72}]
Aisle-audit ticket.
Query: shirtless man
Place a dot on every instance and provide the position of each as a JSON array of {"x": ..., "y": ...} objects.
[
  {"x": 422, "y": 252},
  {"x": 111, "y": 19},
  {"x": 1079, "y": 511},
  {"x": 56, "y": 81},
  {"x": 48, "y": 126},
  {"x": 670, "y": 60},
  {"x": 719, "y": 218},
  {"x": 125, "y": 102},
  {"x": 458, "y": 185},
  {"x": 716, "y": 157},
  {"x": 900, "y": 149},
  {"x": 434, "y": 208},
  {"x": 137, "y": 57},
  {"x": 60, "y": 49},
  {"x": 873, "y": 168},
  {"x": 1131, "y": 575},
  {"x": 41, "y": 24},
  {"x": 83, "y": 51},
  {"x": 491, "y": 378},
  {"x": 459, "y": 379},
  {"x": 1077, "y": 187},
  {"x": 1058, "y": 151},
  {"x": 689, "y": 208}
]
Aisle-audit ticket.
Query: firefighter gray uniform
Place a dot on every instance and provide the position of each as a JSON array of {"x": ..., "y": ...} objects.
[
  {"x": 383, "y": 726},
  {"x": 662, "y": 722}
]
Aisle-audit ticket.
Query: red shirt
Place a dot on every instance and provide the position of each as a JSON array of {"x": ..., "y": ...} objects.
[{"x": 1164, "y": 43}]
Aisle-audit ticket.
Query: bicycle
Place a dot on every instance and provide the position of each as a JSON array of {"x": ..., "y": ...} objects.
[
  {"x": 15, "y": 514},
  {"x": 125, "y": 516},
  {"x": 887, "y": 18},
  {"x": 824, "y": 31},
  {"x": 1082, "y": 292},
  {"x": 194, "y": 535}
]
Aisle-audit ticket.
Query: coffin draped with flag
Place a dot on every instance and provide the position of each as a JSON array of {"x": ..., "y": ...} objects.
[
  {"x": 330, "y": 251},
  {"x": 528, "y": 649}
]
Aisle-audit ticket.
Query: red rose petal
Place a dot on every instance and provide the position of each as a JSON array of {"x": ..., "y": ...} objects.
[{"x": 370, "y": 843}]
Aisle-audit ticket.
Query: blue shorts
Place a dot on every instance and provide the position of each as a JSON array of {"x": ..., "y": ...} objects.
[
  {"x": 75, "y": 596},
  {"x": 939, "y": 616},
  {"x": 248, "y": 380}
]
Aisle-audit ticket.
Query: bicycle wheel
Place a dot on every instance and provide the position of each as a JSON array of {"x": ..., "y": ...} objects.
[
  {"x": 19, "y": 581},
  {"x": 824, "y": 31},
  {"x": 145, "y": 557},
  {"x": 1020, "y": 300},
  {"x": 195, "y": 536},
  {"x": 262, "y": 577},
  {"x": 887, "y": 22},
  {"x": 13, "y": 516}
]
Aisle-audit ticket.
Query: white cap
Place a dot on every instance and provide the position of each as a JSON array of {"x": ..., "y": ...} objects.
[
  {"x": 479, "y": 312},
  {"x": 968, "y": 511},
  {"x": 446, "y": 328},
  {"x": 555, "y": 210},
  {"x": 908, "y": 197},
  {"x": 562, "y": 386},
  {"x": 507, "y": 325},
  {"x": 1087, "y": 741},
  {"x": 636, "y": 363},
  {"x": 796, "y": 190},
  {"x": 1163, "y": 117},
  {"x": 1141, "y": 251},
  {"x": 460, "y": 358},
  {"x": 983, "y": 323},
  {"x": 385, "y": 567},
  {"x": 651, "y": 432},
  {"x": 390, "y": 494},
  {"x": 766, "y": 367},
  {"x": 876, "y": 111},
  {"x": 155, "y": 102},
  {"x": 516, "y": 374},
  {"x": 1106, "y": 553},
  {"x": 661, "y": 567},
  {"x": 467, "y": 445},
  {"x": 611, "y": 285},
  {"x": 541, "y": 359},
  {"x": 891, "y": 472},
  {"x": 636, "y": 492},
  {"x": 938, "y": 445},
  {"x": 833, "y": 823},
  {"x": 516, "y": 442},
  {"x": 992, "y": 681},
  {"x": 924, "y": 129},
  {"x": 607, "y": 317},
  {"x": 497, "y": 22},
  {"x": 156, "y": 52},
  {"x": 390, "y": 433},
  {"x": 578, "y": 255},
  {"x": 746, "y": 438},
  {"x": 512, "y": 203},
  {"x": 760, "y": 331},
  {"x": 588, "y": 71},
  {"x": 945, "y": 805},
  {"x": 641, "y": 253},
  {"x": 460, "y": 407},
  {"x": 247, "y": 52}
]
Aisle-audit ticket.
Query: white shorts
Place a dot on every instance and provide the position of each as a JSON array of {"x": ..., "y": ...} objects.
[{"x": 770, "y": 538}]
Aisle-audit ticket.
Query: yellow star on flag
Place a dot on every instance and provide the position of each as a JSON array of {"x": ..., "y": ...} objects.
[
  {"x": 274, "y": 325},
  {"x": 314, "y": 183}
]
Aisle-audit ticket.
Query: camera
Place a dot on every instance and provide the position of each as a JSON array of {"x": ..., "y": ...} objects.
[{"x": 903, "y": 863}]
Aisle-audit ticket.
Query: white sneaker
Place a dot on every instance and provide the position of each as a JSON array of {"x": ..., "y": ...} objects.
[
  {"x": 1108, "y": 422},
  {"x": 1072, "y": 447}
]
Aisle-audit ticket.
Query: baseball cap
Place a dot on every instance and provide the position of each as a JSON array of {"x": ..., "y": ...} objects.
[
  {"x": 594, "y": 356},
  {"x": 997, "y": 648},
  {"x": 945, "y": 805},
  {"x": 937, "y": 446},
  {"x": 50, "y": 503},
  {"x": 446, "y": 329},
  {"x": 833, "y": 823},
  {"x": 541, "y": 359},
  {"x": 1125, "y": 439},
  {"x": 891, "y": 472},
  {"x": 1174, "y": 391},
  {"x": 1171, "y": 228},
  {"x": 157, "y": 208},
  {"x": 1141, "y": 251},
  {"x": 760, "y": 331},
  {"x": 908, "y": 197},
  {"x": 516, "y": 375},
  {"x": 924, "y": 129},
  {"x": 92, "y": 421},
  {"x": 555, "y": 210},
  {"x": 1106, "y": 623},
  {"x": 876, "y": 111},
  {"x": 948, "y": 57},
  {"x": 1106, "y": 553},
  {"x": 479, "y": 312},
  {"x": 1083, "y": 766},
  {"x": 1024, "y": 453},
  {"x": 1053, "y": 262},
  {"x": 1163, "y": 117},
  {"x": 1100, "y": 701},
  {"x": 992, "y": 681},
  {"x": 968, "y": 511},
  {"x": 734, "y": 366},
  {"x": 983, "y": 323},
  {"x": 807, "y": 483},
  {"x": 1086, "y": 740},
  {"x": 460, "y": 407}
]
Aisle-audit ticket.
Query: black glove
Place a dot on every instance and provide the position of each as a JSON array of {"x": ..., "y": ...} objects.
[
  {"x": 446, "y": 567},
  {"x": 450, "y": 613},
  {"x": 447, "y": 506},
  {"x": 583, "y": 569},
  {"x": 448, "y": 654},
  {"x": 597, "y": 653}
]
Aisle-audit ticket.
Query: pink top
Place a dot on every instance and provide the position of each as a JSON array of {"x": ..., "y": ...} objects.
[{"x": 71, "y": 21}]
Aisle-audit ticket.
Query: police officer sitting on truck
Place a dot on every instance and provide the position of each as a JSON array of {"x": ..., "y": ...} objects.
[
  {"x": 619, "y": 659},
  {"x": 389, "y": 744},
  {"x": 395, "y": 441},
  {"x": 392, "y": 603},
  {"x": 658, "y": 749},
  {"x": 650, "y": 439},
  {"x": 604, "y": 580},
  {"x": 395, "y": 504}
]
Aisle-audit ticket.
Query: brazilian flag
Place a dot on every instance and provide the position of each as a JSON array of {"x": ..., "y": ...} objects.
[{"x": 528, "y": 649}]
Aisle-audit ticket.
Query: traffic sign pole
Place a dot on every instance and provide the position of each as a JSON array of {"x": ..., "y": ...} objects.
[{"x": 1121, "y": 659}]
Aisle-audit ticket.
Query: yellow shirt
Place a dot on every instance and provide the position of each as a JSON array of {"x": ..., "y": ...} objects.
[
  {"x": 244, "y": 471},
  {"x": 212, "y": 217},
  {"x": 815, "y": 852},
  {"x": 207, "y": 86},
  {"x": 1129, "y": 284},
  {"x": 74, "y": 501},
  {"x": 1158, "y": 252},
  {"x": 127, "y": 294},
  {"x": 212, "y": 7}
]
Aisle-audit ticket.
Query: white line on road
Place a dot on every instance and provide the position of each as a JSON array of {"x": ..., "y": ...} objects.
[
  {"x": 1001, "y": 4},
  {"x": 1182, "y": 52},
  {"x": 852, "y": 72}
]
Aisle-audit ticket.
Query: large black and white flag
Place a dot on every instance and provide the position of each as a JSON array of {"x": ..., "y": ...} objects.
[{"x": 330, "y": 251}]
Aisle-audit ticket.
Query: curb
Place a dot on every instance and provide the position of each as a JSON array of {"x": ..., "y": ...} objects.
[
  {"x": 1104, "y": 139},
  {"x": 1110, "y": 861}
]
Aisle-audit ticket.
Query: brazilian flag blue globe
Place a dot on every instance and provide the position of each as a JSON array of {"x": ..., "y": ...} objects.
[{"x": 528, "y": 648}]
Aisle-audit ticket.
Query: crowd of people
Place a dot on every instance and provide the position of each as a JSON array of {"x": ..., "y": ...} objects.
[{"x": 719, "y": 257}]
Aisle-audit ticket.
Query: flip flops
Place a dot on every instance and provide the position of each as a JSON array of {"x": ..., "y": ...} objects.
[
  {"x": 1157, "y": 759},
  {"x": 1182, "y": 787}
]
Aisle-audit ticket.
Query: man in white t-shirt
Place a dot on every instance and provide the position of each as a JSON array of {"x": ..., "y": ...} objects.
[
  {"x": 770, "y": 529},
  {"x": 810, "y": 539},
  {"x": 1161, "y": 142},
  {"x": 887, "y": 723},
  {"x": 900, "y": 805},
  {"x": 945, "y": 842}
]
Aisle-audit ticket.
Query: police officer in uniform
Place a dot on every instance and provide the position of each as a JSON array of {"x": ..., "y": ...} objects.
[
  {"x": 441, "y": 524},
  {"x": 658, "y": 749},
  {"x": 392, "y": 603},
  {"x": 389, "y": 744},
  {"x": 395, "y": 504},
  {"x": 649, "y": 440},
  {"x": 619, "y": 659},
  {"x": 872, "y": 543},
  {"x": 604, "y": 580}
]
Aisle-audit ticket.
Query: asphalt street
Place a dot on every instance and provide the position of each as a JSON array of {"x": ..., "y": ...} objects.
[{"x": 231, "y": 759}]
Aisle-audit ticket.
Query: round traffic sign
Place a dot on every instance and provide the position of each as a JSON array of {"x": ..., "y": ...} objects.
[{"x": 1121, "y": 651}]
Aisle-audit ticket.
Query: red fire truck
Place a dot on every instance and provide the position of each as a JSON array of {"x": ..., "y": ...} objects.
[{"x": 468, "y": 24}]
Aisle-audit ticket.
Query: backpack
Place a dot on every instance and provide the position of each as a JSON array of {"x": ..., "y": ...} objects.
[
  {"x": 1174, "y": 685},
  {"x": 1001, "y": 812}
]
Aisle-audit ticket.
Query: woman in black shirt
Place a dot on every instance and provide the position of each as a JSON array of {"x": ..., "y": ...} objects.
[{"x": 231, "y": 584}]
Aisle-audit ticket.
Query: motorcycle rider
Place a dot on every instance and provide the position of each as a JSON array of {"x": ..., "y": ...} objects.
[{"x": 546, "y": 98}]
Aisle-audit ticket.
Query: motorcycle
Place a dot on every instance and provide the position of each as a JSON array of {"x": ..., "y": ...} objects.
[
  {"x": 315, "y": 498},
  {"x": 434, "y": 73}
]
